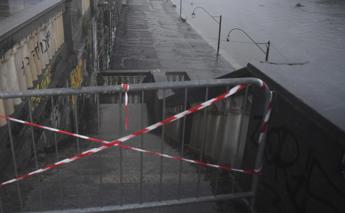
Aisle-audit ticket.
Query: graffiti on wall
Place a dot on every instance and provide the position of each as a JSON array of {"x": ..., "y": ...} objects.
[
  {"x": 43, "y": 84},
  {"x": 76, "y": 77},
  {"x": 303, "y": 168}
]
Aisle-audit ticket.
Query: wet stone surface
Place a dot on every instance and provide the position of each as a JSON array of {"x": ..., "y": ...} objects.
[{"x": 151, "y": 36}]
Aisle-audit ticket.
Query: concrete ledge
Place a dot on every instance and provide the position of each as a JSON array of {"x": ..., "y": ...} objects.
[{"x": 24, "y": 19}]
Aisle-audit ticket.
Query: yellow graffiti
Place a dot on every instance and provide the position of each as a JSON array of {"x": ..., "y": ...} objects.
[
  {"x": 43, "y": 84},
  {"x": 76, "y": 76}
]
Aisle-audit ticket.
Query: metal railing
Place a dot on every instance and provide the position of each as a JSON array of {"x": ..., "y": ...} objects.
[{"x": 141, "y": 182}]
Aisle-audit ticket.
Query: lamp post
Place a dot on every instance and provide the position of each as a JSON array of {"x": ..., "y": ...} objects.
[
  {"x": 180, "y": 8},
  {"x": 214, "y": 18},
  {"x": 268, "y": 44}
]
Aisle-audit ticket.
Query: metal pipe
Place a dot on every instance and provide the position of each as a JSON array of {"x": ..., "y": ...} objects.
[
  {"x": 182, "y": 143},
  {"x": 260, "y": 152},
  {"x": 56, "y": 147},
  {"x": 134, "y": 87},
  {"x": 203, "y": 142},
  {"x": 268, "y": 50},
  {"x": 121, "y": 99},
  {"x": 162, "y": 148},
  {"x": 180, "y": 8},
  {"x": 219, "y": 33},
  {"x": 142, "y": 146},
  {"x": 98, "y": 112},
  {"x": 208, "y": 13},
  {"x": 34, "y": 146},
  {"x": 248, "y": 36},
  {"x": 219, "y": 22},
  {"x": 15, "y": 166},
  {"x": 156, "y": 204},
  {"x": 76, "y": 120}
]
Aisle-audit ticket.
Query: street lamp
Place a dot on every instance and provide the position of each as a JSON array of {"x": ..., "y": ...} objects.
[
  {"x": 217, "y": 19},
  {"x": 268, "y": 43},
  {"x": 181, "y": 9}
]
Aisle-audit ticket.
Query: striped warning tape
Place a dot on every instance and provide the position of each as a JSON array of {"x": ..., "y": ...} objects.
[
  {"x": 125, "y": 87},
  {"x": 108, "y": 144}
]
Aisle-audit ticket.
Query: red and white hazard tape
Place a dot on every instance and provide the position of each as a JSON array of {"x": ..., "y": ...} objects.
[
  {"x": 108, "y": 144},
  {"x": 125, "y": 87}
]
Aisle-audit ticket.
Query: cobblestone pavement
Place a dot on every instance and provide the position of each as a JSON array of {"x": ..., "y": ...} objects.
[{"x": 151, "y": 36}]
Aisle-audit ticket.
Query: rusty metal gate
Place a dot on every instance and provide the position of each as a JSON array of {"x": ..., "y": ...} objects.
[{"x": 133, "y": 147}]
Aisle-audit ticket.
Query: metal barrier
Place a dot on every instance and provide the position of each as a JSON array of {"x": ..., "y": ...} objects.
[{"x": 171, "y": 169}]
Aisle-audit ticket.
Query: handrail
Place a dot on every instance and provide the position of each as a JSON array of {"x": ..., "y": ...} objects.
[
  {"x": 133, "y": 87},
  {"x": 254, "y": 42}
]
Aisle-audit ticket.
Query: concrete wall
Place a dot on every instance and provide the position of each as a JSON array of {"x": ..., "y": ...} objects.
[
  {"x": 304, "y": 161},
  {"x": 304, "y": 165},
  {"x": 27, "y": 65}
]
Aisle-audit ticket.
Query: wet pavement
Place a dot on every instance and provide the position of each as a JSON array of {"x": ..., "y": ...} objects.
[{"x": 151, "y": 36}]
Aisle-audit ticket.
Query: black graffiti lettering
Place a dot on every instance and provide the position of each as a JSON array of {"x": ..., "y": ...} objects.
[
  {"x": 28, "y": 61},
  {"x": 37, "y": 50},
  {"x": 33, "y": 53},
  {"x": 342, "y": 166},
  {"x": 42, "y": 48},
  {"x": 47, "y": 40},
  {"x": 296, "y": 174}
]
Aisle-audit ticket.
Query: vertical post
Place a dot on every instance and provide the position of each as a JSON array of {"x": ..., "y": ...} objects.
[
  {"x": 219, "y": 33},
  {"x": 76, "y": 120},
  {"x": 268, "y": 50},
  {"x": 203, "y": 142},
  {"x": 56, "y": 146},
  {"x": 142, "y": 146},
  {"x": 236, "y": 161},
  {"x": 34, "y": 147},
  {"x": 32, "y": 133},
  {"x": 261, "y": 148},
  {"x": 162, "y": 148},
  {"x": 19, "y": 192},
  {"x": 180, "y": 8},
  {"x": 182, "y": 143},
  {"x": 98, "y": 112},
  {"x": 228, "y": 103},
  {"x": 120, "y": 151}
]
